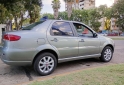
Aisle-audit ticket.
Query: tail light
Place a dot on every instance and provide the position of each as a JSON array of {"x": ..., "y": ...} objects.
[{"x": 11, "y": 37}]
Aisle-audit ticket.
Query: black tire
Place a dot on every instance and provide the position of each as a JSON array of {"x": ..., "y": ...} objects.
[
  {"x": 43, "y": 66},
  {"x": 106, "y": 57}
]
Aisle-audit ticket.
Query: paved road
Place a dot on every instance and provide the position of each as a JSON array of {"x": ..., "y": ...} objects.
[{"x": 10, "y": 75}]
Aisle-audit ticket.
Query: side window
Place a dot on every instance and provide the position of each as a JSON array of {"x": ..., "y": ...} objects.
[
  {"x": 82, "y": 30},
  {"x": 62, "y": 29}
]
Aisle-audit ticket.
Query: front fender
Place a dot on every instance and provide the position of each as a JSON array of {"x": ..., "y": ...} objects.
[{"x": 106, "y": 42}]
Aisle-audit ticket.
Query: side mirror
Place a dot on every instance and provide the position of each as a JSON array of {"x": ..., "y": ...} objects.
[{"x": 95, "y": 35}]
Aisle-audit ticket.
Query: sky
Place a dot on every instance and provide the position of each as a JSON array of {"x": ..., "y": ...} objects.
[{"x": 47, "y": 7}]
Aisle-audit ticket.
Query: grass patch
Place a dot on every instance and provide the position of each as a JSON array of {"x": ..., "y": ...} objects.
[
  {"x": 107, "y": 75},
  {"x": 117, "y": 38}
]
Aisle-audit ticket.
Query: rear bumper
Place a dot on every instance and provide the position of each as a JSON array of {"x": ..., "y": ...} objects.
[
  {"x": 16, "y": 57},
  {"x": 17, "y": 63}
]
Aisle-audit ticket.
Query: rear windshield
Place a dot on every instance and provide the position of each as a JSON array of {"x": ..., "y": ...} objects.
[{"x": 31, "y": 26}]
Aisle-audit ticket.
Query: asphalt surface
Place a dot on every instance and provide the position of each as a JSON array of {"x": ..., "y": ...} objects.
[{"x": 11, "y": 75}]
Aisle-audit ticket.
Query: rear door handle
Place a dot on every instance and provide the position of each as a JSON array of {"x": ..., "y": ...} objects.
[
  {"x": 55, "y": 40},
  {"x": 82, "y": 40}
]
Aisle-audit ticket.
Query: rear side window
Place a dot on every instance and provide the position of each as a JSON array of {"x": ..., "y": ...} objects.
[
  {"x": 31, "y": 26},
  {"x": 62, "y": 29}
]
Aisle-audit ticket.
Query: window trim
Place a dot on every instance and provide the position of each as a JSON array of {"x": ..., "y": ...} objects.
[{"x": 51, "y": 33}]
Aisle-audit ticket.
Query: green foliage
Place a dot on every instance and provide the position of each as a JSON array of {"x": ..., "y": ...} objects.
[
  {"x": 16, "y": 9},
  {"x": 108, "y": 13},
  {"x": 3, "y": 12},
  {"x": 118, "y": 13},
  {"x": 69, "y": 0},
  {"x": 94, "y": 17},
  {"x": 101, "y": 9},
  {"x": 96, "y": 25},
  {"x": 56, "y": 4},
  {"x": 80, "y": 15},
  {"x": 63, "y": 15},
  {"x": 33, "y": 7},
  {"x": 50, "y": 16},
  {"x": 26, "y": 21},
  {"x": 104, "y": 11}
]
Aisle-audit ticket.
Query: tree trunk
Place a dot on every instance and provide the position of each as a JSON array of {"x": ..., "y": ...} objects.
[
  {"x": 9, "y": 25},
  {"x": 16, "y": 23},
  {"x": 55, "y": 13},
  {"x": 31, "y": 17},
  {"x": 21, "y": 22},
  {"x": 69, "y": 9}
]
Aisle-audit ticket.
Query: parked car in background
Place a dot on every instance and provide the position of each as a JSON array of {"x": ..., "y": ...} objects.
[
  {"x": 113, "y": 34},
  {"x": 122, "y": 34},
  {"x": 103, "y": 34},
  {"x": 44, "y": 44}
]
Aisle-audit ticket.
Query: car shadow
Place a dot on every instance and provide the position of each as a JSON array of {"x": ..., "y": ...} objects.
[{"x": 65, "y": 67}]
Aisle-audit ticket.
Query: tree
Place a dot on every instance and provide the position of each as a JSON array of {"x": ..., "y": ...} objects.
[
  {"x": 90, "y": 17},
  {"x": 108, "y": 13},
  {"x": 33, "y": 7},
  {"x": 56, "y": 6},
  {"x": 96, "y": 25},
  {"x": 101, "y": 9},
  {"x": 94, "y": 17},
  {"x": 69, "y": 7},
  {"x": 118, "y": 13},
  {"x": 3, "y": 12},
  {"x": 80, "y": 15},
  {"x": 11, "y": 6},
  {"x": 63, "y": 15},
  {"x": 16, "y": 10}
]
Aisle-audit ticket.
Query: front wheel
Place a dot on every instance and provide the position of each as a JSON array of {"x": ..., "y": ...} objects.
[
  {"x": 106, "y": 54},
  {"x": 45, "y": 64}
]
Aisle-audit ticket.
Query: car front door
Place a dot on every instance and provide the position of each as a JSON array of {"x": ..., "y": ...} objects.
[
  {"x": 88, "y": 44},
  {"x": 62, "y": 37}
]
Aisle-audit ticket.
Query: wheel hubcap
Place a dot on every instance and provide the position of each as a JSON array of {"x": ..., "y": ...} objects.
[
  {"x": 107, "y": 54},
  {"x": 46, "y": 64}
]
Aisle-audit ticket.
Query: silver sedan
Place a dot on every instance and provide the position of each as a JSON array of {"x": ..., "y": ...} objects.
[{"x": 46, "y": 43}]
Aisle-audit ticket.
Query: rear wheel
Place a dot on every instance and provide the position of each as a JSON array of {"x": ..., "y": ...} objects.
[
  {"x": 107, "y": 54},
  {"x": 45, "y": 64}
]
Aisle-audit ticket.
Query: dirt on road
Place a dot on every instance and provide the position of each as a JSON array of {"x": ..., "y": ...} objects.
[{"x": 11, "y": 75}]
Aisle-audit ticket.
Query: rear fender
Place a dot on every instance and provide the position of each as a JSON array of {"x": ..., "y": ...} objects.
[{"x": 45, "y": 47}]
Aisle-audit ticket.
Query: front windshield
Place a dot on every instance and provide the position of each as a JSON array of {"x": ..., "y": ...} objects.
[{"x": 31, "y": 26}]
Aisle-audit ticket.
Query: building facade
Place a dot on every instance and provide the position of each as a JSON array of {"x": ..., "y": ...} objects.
[
  {"x": 87, "y": 4},
  {"x": 82, "y": 4}
]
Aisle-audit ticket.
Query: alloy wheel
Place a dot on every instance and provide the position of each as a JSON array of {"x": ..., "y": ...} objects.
[{"x": 46, "y": 64}]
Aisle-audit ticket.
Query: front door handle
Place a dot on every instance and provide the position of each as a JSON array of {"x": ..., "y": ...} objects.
[
  {"x": 55, "y": 40},
  {"x": 82, "y": 40}
]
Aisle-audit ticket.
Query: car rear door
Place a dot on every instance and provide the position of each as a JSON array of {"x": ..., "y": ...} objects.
[
  {"x": 62, "y": 37},
  {"x": 88, "y": 45}
]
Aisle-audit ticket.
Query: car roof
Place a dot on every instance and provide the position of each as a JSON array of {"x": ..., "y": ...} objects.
[{"x": 64, "y": 20}]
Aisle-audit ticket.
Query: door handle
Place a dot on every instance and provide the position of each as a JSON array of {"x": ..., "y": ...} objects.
[
  {"x": 55, "y": 40},
  {"x": 82, "y": 40}
]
